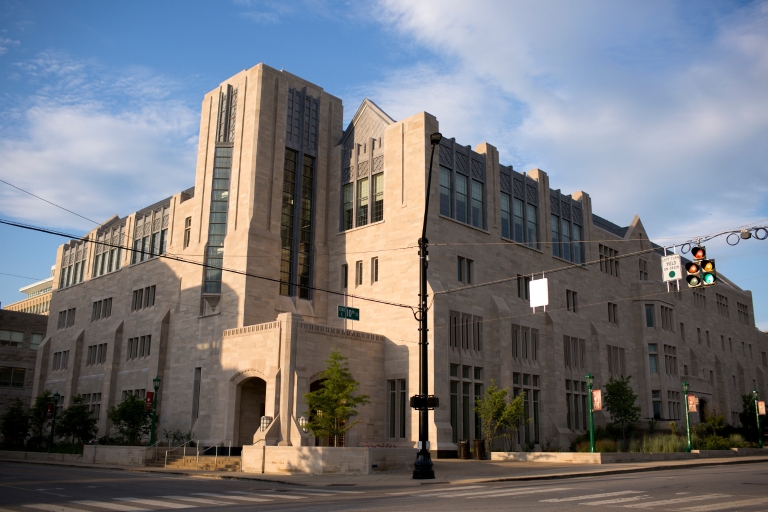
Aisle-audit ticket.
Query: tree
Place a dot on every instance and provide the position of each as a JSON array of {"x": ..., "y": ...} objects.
[
  {"x": 38, "y": 421},
  {"x": 130, "y": 419},
  {"x": 619, "y": 400},
  {"x": 331, "y": 406},
  {"x": 77, "y": 422},
  {"x": 497, "y": 416},
  {"x": 15, "y": 426},
  {"x": 747, "y": 417}
]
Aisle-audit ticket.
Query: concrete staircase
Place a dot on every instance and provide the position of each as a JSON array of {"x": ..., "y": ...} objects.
[{"x": 204, "y": 463}]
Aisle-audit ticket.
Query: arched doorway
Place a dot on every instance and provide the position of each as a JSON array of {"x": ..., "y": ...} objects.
[{"x": 252, "y": 395}]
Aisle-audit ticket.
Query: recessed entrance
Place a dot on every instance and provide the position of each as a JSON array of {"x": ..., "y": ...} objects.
[{"x": 251, "y": 397}]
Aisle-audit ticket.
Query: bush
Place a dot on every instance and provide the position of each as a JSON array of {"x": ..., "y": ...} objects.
[
  {"x": 77, "y": 422},
  {"x": 15, "y": 426},
  {"x": 601, "y": 446},
  {"x": 716, "y": 443},
  {"x": 130, "y": 419},
  {"x": 659, "y": 443}
]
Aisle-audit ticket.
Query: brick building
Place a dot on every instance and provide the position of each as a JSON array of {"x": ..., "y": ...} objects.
[
  {"x": 20, "y": 336},
  {"x": 305, "y": 216}
]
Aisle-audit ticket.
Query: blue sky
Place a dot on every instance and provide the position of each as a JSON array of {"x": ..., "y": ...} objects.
[{"x": 655, "y": 108}]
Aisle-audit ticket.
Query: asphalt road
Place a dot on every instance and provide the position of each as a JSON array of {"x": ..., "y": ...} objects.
[{"x": 28, "y": 487}]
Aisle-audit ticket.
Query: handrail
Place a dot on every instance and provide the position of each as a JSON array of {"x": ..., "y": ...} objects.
[
  {"x": 184, "y": 445},
  {"x": 155, "y": 446},
  {"x": 216, "y": 452}
]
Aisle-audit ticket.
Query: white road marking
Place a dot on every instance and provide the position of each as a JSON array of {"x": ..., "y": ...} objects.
[
  {"x": 516, "y": 493},
  {"x": 201, "y": 501},
  {"x": 459, "y": 493},
  {"x": 270, "y": 495},
  {"x": 617, "y": 500},
  {"x": 333, "y": 492},
  {"x": 109, "y": 505},
  {"x": 155, "y": 503},
  {"x": 420, "y": 491},
  {"x": 590, "y": 496},
  {"x": 727, "y": 505},
  {"x": 53, "y": 508},
  {"x": 227, "y": 497},
  {"x": 678, "y": 500}
]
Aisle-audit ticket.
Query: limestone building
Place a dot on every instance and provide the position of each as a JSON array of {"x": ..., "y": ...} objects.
[
  {"x": 304, "y": 215},
  {"x": 38, "y": 299}
]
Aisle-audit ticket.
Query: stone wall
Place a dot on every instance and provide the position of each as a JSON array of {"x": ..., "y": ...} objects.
[{"x": 324, "y": 460}]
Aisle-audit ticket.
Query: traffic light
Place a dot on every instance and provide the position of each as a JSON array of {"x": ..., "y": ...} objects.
[{"x": 701, "y": 271}]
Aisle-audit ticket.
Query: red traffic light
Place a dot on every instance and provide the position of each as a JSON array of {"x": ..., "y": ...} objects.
[
  {"x": 692, "y": 268},
  {"x": 699, "y": 253}
]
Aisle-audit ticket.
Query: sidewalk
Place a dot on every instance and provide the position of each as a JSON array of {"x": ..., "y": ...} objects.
[{"x": 451, "y": 471}]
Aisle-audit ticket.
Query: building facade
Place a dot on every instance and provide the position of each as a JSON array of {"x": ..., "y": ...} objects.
[
  {"x": 20, "y": 336},
  {"x": 229, "y": 291},
  {"x": 38, "y": 299}
]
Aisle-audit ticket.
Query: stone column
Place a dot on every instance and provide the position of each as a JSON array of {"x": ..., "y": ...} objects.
[{"x": 288, "y": 338}]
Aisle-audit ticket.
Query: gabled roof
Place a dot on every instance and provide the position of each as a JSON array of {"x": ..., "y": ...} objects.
[
  {"x": 371, "y": 117},
  {"x": 609, "y": 226}
]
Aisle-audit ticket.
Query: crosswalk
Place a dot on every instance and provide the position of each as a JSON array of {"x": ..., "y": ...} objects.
[
  {"x": 569, "y": 496},
  {"x": 186, "y": 501}
]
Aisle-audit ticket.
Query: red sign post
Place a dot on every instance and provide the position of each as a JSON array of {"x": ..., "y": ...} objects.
[{"x": 148, "y": 401}]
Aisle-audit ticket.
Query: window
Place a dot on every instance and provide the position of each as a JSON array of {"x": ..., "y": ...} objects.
[
  {"x": 765, "y": 358},
  {"x": 60, "y": 360},
  {"x": 11, "y": 377},
  {"x": 699, "y": 299},
  {"x": 743, "y": 352},
  {"x": 359, "y": 273},
  {"x": 398, "y": 408},
  {"x": 187, "y": 231},
  {"x": 722, "y": 343},
  {"x": 506, "y": 216},
  {"x": 138, "y": 347},
  {"x": 523, "y": 287},
  {"x": 566, "y": 228},
  {"x": 722, "y": 305},
  {"x": 143, "y": 298},
  {"x": 347, "y": 193},
  {"x": 462, "y": 184},
  {"x": 297, "y": 224},
  {"x": 66, "y": 318},
  {"x": 140, "y": 393},
  {"x": 477, "y": 333},
  {"x": 378, "y": 198},
  {"x": 465, "y": 268},
  {"x": 35, "y": 341},
  {"x": 616, "y": 361},
  {"x": 196, "y": 392},
  {"x": 571, "y": 300},
  {"x": 698, "y": 335},
  {"x": 455, "y": 410},
  {"x": 656, "y": 397},
  {"x": 454, "y": 329},
  {"x": 649, "y": 319},
  {"x": 362, "y": 202},
  {"x": 344, "y": 276},
  {"x": 374, "y": 270},
  {"x": 575, "y": 401},
  {"x": 682, "y": 332},
  {"x": 96, "y": 354},
  {"x": 743, "y": 311},
  {"x": 461, "y": 198},
  {"x": 666, "y": 318},
  {"x": 477, "y": 204},
  {"x": 613, "y": 313},
  {"x": 93, "y": 401},
  {"x": 101, "y": 309},
  {"x": 653, "y": 357},
  {"x": 609, "y": 262},
  {"x": 575, "y": 352},
  {"x": 730, "y": 345},
  {"x": 708, "y": 341},
  {"x": 670, "y": 360},
  {"x": 11, "y": 339},
  {"x": 446, "y": 192},
  {"x": 73, "y": 260},
  {"x": 643, "y": 269}
]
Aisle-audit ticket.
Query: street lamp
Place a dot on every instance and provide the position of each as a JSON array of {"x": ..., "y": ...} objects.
[
  {"x": 590, "y": 380},
  {"x": 688, "y": 446},
  {"x": 757, "y": 416},
  {"x": 156, "y": 384},
  {"x": 423, "y": 467},
  {"x": 56, "y": 397}
]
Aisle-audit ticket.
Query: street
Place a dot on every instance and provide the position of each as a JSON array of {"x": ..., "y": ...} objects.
[{"x": 30, "y": 487}]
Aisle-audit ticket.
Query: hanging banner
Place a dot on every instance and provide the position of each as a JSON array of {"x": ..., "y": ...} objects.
[
  {"x": 148, "y": 400},
  {"x": 49, "y": 411},
  {"x": 692, "y": 403},
  {"x": 597, "y": 400},
  {"x": 761, "y": 407}
]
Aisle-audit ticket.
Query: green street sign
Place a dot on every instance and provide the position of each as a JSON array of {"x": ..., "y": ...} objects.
[{"x": 349, "y": 313}]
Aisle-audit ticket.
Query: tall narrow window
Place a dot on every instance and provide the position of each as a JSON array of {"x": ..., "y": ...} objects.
[
  {"x": 565, "y": 233},
  {"x": 649, "y": 317},
  {"x": 477, "y": 204},
  {"x": 217, "y": 227},
  {"x": 359, "y": 273},
  {"x": 378, "y": 198},
  {"x": 465, "y": 406},
  {"x": 520, "y": 232},
  {"x": 187, "y": 231},
  {"x": 462, "y": 198},
  {"x": 374, "y": 270},
  {"x": 344, "y": 276},
  {"x": 305, "y": 228},
  {"x": 196, "y": 392},
  {"x": 362, "y": 202},
  {"x": 286, "y": 227},
  {"x": 445, "y": 192},
  {"x": 556, "y": 236},
  {"x": 506, "y": 216},
  {"x": 348, "y": 193},
  {"x": 392, "y": 408},
  {"x": 454, "y": 410},
  {"x": 403, "y": 408}
]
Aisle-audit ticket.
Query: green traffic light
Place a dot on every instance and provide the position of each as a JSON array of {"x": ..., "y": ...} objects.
[
  {"x": 709, "y": 278},
  {"x": 694, "y": 281}
]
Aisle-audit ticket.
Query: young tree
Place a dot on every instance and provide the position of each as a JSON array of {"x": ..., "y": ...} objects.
[
  {"x": 747, "y": 418},
  {"x": 331, "y": 406},
  {"x": 499, "y": 417},
  {"x": 77, "y": 422},
  {"x": 38, "y": 421},
  {"x": 130, "y": 419},
  {"x": 15, "y": 426},
  {"x": 619, "y": 400}
]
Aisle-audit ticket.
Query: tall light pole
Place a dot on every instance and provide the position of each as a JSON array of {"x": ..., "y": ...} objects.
[
  {"x": 590, "y": 381},
  {"x": 152, "y": 435},
  {"x": 423, "y": 467},
  {"x": 688, "y": 446},
  {"x": 757, "y": 416}
]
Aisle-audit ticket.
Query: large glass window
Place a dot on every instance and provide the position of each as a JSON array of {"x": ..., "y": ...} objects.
[
  {"x": 519, "y": 222},
  {"x": 566, "y": 230},
  {"x": 477, "y": 204},
  {"x": 362, "y": 202},
  {"x": 565, "y": 234},
  {"x": 286, "y": 222},
  {"x": 461, "y": 198},
  {"x": 378, "y": 198},
  {"x": 506, "y": 216},
  {"x": 348, "y": 192},
  {"x": 556, "y": 236},
  {"x": 296, "y": 241},
  {"x": 217, "y": 227},
  {"x": 305, "y": 235},
  {"x": 445, "y": 192}
]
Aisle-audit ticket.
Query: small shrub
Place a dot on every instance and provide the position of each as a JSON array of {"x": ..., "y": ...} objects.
[
  {"x": 716, "y": 443},
  {"x": 602, "y": 446},
  {"x": 673, "y": 428},
  {"x": 651, "y": 426},
  {"x": 658, "y": 443}
]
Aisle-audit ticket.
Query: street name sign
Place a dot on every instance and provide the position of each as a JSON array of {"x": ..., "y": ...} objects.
[
  {"x": 349, "y": 313},
  {"x": 671, "y": 268}
]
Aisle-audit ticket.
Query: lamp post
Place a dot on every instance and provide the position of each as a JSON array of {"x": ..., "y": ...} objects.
[
  {"x": 757, "y": 416},
  {"x": 422, "y": 468},
  {"x": 688, "y": 446},
  {"x": 152, "y": 436},
  {"x": 56, "y": 397},
  {"x": 590, "y": 381}
]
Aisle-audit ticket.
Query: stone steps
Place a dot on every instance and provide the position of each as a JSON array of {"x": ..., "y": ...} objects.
[{"x": 205, "y": 463}]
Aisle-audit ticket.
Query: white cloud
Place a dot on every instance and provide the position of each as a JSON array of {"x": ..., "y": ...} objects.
[
  {"x": 604, "y": 96},
  {"x": 6, "y": 43},
  {"x": 96, "y": 142}
]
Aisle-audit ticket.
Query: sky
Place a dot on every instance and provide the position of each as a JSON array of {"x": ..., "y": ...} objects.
[{"x": 655, "y": 108}]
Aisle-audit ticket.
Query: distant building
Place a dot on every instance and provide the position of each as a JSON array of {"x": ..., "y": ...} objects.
[
  {"x": 38, "y": 299},
  {"x": 306, "y": 216},
  {"x": 20, "y": 335}
]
